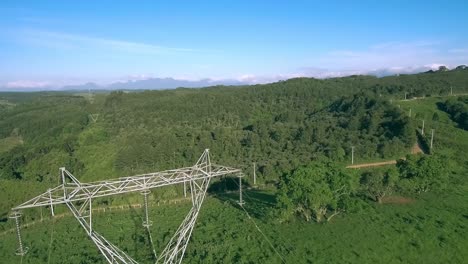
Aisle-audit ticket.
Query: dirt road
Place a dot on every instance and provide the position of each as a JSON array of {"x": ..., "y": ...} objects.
[{"x": 373, "y": 164}]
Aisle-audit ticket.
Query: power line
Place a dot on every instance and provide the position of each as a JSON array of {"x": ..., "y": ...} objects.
[
  {"x": 258, "y": 228},
  {"x": 263, "y": 234},
  {"x": 51, "y": 241},
  {"x": 152, "y": 244}
]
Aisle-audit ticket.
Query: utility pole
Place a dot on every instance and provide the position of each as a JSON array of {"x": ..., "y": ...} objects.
[
  {"x": 254, "y": 174},
  {"x": 432, "y": 137},
  {"x": 352, "y": 155},
  {"x": 241, "y": 202},
  {"x": 422, "y": 129}
]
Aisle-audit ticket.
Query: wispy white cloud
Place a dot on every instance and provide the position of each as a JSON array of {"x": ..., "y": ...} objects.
[
  {"x": 459, "y": 50},
  {"x": 386, "y": 55},
  {"x": 380, "y": 60},
  {"x": 27, "y": 84},
  {"x": 75, "y": 41},
  {"x": 257, "y": 79},
  {"x": 321, "y": 73}
]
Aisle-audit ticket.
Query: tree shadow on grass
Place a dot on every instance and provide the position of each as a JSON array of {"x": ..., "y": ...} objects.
[
  {"x": 257, "y": 203},
  {"x": 227, "y": 184},
  {"x": 140, "y": 233}
]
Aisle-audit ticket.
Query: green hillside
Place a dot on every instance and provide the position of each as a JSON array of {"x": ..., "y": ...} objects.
[{"x": 283, "y": 127}]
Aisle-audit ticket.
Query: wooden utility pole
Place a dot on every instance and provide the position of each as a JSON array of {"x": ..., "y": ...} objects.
[
  {"x": 241, "y": 202},
  {"x": 432, "y": 137},
  {"x": 254, "y": 174}
]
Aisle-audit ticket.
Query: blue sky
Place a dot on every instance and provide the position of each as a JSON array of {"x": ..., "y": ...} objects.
[{"x": 70, "y": 42}]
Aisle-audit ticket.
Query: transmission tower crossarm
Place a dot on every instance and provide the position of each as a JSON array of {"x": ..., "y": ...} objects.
[
  {"x": 75, "y": 191},
  {"x": 78, "y": 198}
]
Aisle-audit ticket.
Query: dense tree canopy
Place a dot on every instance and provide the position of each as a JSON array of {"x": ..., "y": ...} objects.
[
  {"x": 422, "y": 173},
  {"x": 458, "y": 110},
  {"x": 379, "y": 184},
  {"x": 280, "y": 126},
  {"x": 319, "y": 190}
]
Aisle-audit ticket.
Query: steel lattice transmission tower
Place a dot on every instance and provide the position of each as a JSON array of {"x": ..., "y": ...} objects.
[{"x": 78, "y": 198}]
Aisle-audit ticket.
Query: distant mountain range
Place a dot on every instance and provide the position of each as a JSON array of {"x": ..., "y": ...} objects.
[
  {"x": 147, "y": 84},
  {"x": 171, "y": 83}
]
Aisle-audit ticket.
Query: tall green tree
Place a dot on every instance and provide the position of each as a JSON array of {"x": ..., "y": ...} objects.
[
  {"x": 378, "y": 184},
  {"x": 318, "y": 191},
  {"x": 422, "y": 173}
]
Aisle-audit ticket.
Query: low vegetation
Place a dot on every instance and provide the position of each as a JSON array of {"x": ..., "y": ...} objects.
[{"x": 458, "y": 110}]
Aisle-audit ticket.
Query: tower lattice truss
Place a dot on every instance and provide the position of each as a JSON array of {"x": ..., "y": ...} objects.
[{"x": 78, "y": 197}]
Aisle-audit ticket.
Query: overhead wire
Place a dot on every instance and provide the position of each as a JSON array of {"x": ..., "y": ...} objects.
[
  {"x": 152, "y": 244},
  {"x": 258, "y": 228},
  {"x": 264, "y": 236},
  {"x": 51, "y": 240}
]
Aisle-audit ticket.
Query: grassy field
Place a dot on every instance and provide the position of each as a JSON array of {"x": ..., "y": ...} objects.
[
  {"x": 6, "y": 103},
  {"x": 429, "y": 228},
  {"x": 10, "y": 142},
  {"x": 432, "y": 229}
]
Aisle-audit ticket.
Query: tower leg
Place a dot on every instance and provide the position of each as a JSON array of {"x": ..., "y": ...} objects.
[
  {"x": 21, "y": 251},
  {"x": 146, "y": 221}
]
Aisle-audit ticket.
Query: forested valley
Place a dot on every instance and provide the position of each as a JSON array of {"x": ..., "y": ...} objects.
[{"x": 300, "y": 133}]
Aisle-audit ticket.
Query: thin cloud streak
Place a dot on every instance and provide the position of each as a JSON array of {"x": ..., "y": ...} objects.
[
  {"x": 27, "y": 84},
  {"x": 74, "y": 41},
  {"x": 458, "y": 51},
  {"x": 380, "y": 60},
  {"x": 386, "y": 55}
]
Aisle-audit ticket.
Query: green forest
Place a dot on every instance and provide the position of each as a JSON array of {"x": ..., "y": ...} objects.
[{"x": 301, "y": 134}]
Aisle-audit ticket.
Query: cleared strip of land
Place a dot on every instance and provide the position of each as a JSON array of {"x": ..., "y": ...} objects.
[
  {"x": 373, "y": 164},
  {"x": 416, "y": 149}
]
